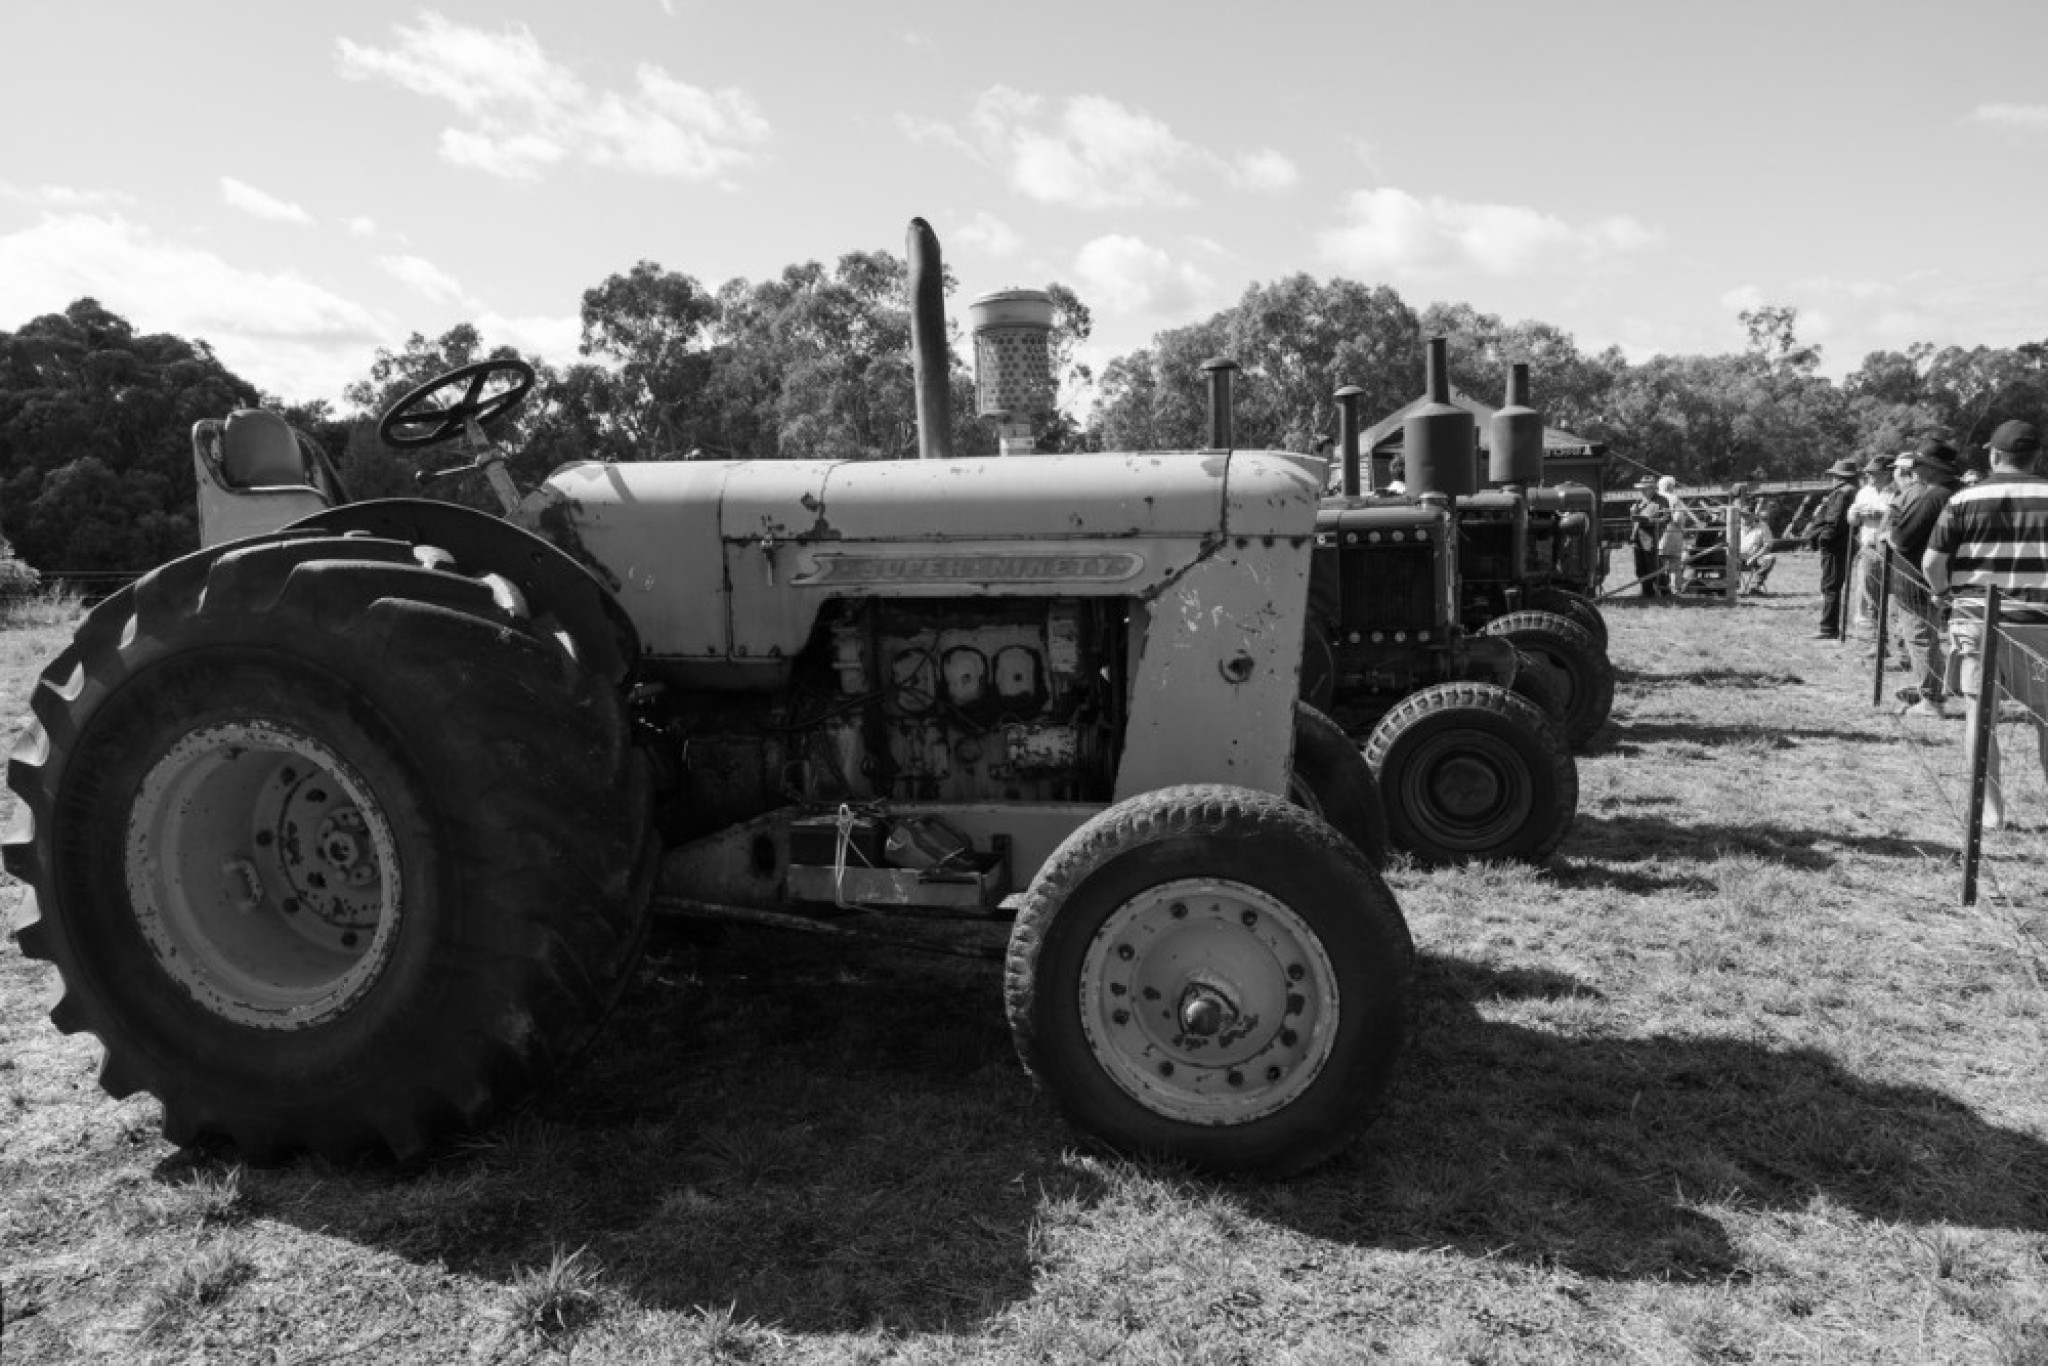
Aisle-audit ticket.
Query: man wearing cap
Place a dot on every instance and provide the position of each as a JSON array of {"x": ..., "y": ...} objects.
[
  {"x": 1994, "y": 534},
  {"x": 1646, "y": 519},
  {"x": 1829, "y": 534},
  {"x": 1926, "y": 479}
]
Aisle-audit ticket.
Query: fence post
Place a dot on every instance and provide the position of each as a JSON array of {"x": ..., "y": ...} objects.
[
  {"x": 1980, "y": 742},
  {"x": 1884, "y": 607},
  {"x": 1731, "y": 574}
]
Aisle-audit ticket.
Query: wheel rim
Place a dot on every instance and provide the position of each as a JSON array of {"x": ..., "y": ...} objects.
[
  {"x": 264, "y": 876},
  {"x": 1209, "y": 1001},
  {"x": 1467, "y": 791}
]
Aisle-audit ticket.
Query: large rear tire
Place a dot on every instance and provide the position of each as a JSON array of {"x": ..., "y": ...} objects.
[
  {"x": 1212, "y": 974},
  {"x": 1470, "y": 771},
  {"x": 332, "y": 846},
  {"x": 1331, "y": 778},
  {"x": 1581, "y": 667}
]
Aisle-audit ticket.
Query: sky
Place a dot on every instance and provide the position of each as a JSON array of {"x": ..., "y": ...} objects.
[{"x": 301, "y": 185}]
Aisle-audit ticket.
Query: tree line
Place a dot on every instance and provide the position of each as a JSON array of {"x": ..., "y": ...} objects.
[{"x": 95, "y": 418}]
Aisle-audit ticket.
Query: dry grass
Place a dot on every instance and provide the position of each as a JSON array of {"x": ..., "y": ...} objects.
[{"x": 1735, "y": 1079}]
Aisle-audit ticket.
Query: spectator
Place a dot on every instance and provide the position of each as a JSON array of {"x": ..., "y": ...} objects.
[
  {"x": 1829, "y": 534},
  {"x": 1926, "y": 480},
  {"x": 1397, "y": 475},
  {"x": 1647, "y": 517},
  {"x": 1671, "y": 542},
  {"x": 1755, "y": 550},
  {"x": 1994, "y": 534},
  {"x": 1867, "y": 514}
]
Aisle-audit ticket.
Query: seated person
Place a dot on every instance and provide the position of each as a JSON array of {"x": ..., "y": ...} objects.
[{"x": 1755, "y": 549}]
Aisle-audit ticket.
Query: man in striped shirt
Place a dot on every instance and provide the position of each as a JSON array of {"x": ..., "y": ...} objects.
[{"x": 1994, "y": 534}]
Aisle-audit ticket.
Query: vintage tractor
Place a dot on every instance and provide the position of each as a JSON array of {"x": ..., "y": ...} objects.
[
  {"x": 342, "y": 833},
  {"x": 1459, "y": 728}
]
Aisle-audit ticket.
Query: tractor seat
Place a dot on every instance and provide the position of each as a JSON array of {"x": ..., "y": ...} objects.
[{"x": 259, "y": 450}]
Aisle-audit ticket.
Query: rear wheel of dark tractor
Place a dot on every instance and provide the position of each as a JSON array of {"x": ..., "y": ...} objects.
[
  {"x": 1331, "y": 778},
  {"x": 1470, "y": 771},
  {"x": 1573, "y": 607},
  {"x": 1576, "y": 660},
  {"x": 1212, "y": 974},
  {"x": 333, "y": 848}
]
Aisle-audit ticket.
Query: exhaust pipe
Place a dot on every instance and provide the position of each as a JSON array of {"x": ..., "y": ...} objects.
[
  {"x": 1222, "y": 421},
  {"x": 1347, "y": 436},
  {"x": 930, "y": 358}
]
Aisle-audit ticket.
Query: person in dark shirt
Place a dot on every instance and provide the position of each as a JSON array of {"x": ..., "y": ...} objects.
[
  {"x": 1830, "y": 535},
  {"x": 1927, "y": 478},
  {"x": 1646, "y": 519},
  {"x": 1994, "y": 534}
]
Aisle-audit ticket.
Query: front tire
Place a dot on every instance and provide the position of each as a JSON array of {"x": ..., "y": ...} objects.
[
  {"x": 1213, "y": 974},
  {"x": 1581, "y": 667},
  {"x": 1470, "y": 771},
  {"x": 332, "y": 847}
]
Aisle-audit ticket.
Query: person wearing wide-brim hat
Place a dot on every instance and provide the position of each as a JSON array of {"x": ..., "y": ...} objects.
[
  {"x": 1647, "y": 518},
  {"x": 1829, "y": 534},
  {"x": 1928, "y": 477}
]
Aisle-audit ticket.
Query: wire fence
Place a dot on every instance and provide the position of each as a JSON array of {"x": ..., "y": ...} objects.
[{"x": 2004, "y": 698}]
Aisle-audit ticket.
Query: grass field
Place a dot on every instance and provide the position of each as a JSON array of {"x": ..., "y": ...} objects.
[{"x": 1734, "y": 1079}]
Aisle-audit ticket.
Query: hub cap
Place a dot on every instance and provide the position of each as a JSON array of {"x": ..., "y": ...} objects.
[
  {"x": 1468, "y": 790},
  {"x": 263, "y": 874},
  {"x": 1209, "y": 1001}
]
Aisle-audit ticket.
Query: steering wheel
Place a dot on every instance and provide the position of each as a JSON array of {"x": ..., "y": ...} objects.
[{"x": 416, "y": 420}]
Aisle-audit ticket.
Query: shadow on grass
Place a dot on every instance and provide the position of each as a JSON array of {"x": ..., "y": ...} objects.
[
  {"x": 832, "y": 1140},
  {"x": 1602, "y": 850},
  {"x": 1630, "y": 737},
  {"x": 824, "y": 1138},
  {"x": 1598, "y": 1154}
]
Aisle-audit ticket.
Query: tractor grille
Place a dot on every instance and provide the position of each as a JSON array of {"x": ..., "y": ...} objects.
[
  {"x": 1486, "y": 551},
  {"x": 1389, "y": 588}
]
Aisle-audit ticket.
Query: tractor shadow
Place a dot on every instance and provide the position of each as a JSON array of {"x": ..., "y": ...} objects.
[
  {"x": 1604, "y": 850},
  {"x": 828, "y": 1140},
  {"x": 1597, "y": 1155}
]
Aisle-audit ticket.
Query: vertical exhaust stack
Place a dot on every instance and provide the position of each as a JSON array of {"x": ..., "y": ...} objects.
[
  {"x": 1347, "y": 438},
  {"x": 1222, "y": 419},
  {"x": 1516, "y": 437},
  {"x": 1439, "y": 441},
  {"x": 930, "y": 359},
  {"x": 1013, "y": 380}
]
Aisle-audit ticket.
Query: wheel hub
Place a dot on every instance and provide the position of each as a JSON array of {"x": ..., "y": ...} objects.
[
  {"x": 1209, "y": 1001},
  {"x": 263, "y": 874},
  {"x": 1465, "y": 786}
]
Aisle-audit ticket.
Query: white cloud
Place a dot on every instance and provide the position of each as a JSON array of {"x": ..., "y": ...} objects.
[
  {"x": 2030, "y": 117},
  {"x": 362, "y": 225},
  {"x": 1264, "y": 172},
  {"x": 65, "y": 197},
  {"x": 1741, "y": 299},
  {"x": 426, "y": 278},
  {"x": 1124, "y": 274},
  {"x": 238, "y": 194},
  {"x": 1091, "y": 152},
  {"x": 1389, "y": 232},
  {"x": 524, "y": 113},
  {"x": 552, "y": 339},
  {"x": 281, "y": 332},
  {"x": 990, "y": 235}
]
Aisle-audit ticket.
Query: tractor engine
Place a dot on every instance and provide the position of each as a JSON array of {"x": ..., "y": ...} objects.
[{"x": 954, "y": 700}]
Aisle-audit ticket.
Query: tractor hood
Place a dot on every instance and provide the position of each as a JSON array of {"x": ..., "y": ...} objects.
[{"x": 731, "y": 561}]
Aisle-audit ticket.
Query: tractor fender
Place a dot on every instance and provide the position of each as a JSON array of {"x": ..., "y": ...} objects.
[{"x": 552, "y": 582}]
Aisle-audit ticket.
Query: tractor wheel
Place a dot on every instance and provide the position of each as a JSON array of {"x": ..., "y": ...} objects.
[
  {"x": 1471, "y": 771},
  {"x": 1537, "y": 681},
  {"x": 1576, "y": 660},
  {"x": 1212, "y": 974},
  {"x": 1573, "y": 607},
  {"x": 1331, "y": 778},
  {"x": 332, "y": 846}
]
